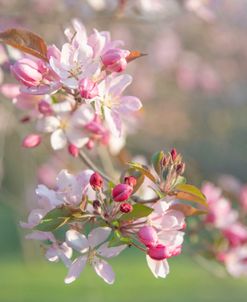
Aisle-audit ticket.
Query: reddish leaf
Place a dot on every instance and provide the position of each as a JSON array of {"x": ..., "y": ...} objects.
[
  {"x": 135, "y": 54},
  {"x": 187, "y": 210},
  {"x": 25, "y": 41}
]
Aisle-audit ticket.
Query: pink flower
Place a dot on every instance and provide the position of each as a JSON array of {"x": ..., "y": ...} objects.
[
  {"x": 114, "y": 60},
  {"x": 93, "y": 249},
  {"x": 236, "y": 234},
  {"x": 236, "y": 261},
  {"x": 121, "y": 192},
  {"x": 35, "y": 75},
  {"x": 114, "y": 105},
  {"x": 88, "y": 89},
  {"x": 31, "y": 141},
  {"x": 148, "y": 236}
]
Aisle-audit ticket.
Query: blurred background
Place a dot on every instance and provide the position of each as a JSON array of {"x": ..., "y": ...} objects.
[{"x": 193, "y": 86}]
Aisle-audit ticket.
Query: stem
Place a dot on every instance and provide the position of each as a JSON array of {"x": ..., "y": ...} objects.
[
  {"x": 137, "y": 246},
  {"x": 87, "y": 161}
]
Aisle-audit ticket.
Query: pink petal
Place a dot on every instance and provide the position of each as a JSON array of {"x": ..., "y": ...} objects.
[
  {"x": 104, "y": 270},
  {"x": 113, "y": 120},
  {"x": 159, "y": 268},
  {"x": 119, "y": 83},
  {"x": 77, "y": 241},
  {"x": 75, "y": 269},
  {"x": 129, "y": 104},
  {"x": 98, "y": 236},
  {"x": 58, "y": 139},
  {"x": 109, "y": 252}
]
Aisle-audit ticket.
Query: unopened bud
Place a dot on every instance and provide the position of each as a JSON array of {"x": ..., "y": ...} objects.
[
  {"x": 180, "y": 168},
  {"x": 31, "y": 141},
  {"x": 73, "y": 150},
  {"x": 130, "y": 180},
  {"x": 121, "y": 192},
  {"x": 126, "y": 207},
  {"x": 96, "y": 181},
  {"x": 44, "y": 108},
  {"x": 96, "y": 204},
  {"x": 174, "y": 154}
]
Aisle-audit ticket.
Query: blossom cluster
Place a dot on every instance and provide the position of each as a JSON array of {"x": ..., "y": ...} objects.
[
  {"x": 226, "y": 221},
  {"x": 76, "y": 95}
]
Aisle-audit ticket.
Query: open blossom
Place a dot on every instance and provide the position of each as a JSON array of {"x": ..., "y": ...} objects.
[
  {"x": 67, "y": 128},
  {"x": 114, "y": 105},
  {"x": 93, "y": 250},
  {"x": 236, "y": 261}
]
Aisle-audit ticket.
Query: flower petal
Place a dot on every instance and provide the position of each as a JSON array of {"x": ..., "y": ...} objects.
[
  {"x": 103, "y": 270},
  {"x": 113, "y": 120},
  {"x": 109, "y": 252},
  {"x": 48, "y": 124},
  {"x": 58, "y": 139},
  {"x": 119, "y": 83},
  {"x": 75, "y": 269},
  {"x": 129, "y": 104},
  {"x": 77, "y": 241},
  {"x": 98, "y": 236},
  {"x": 159, "y": 268}
]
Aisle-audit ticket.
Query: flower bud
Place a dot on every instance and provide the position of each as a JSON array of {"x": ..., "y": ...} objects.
[
  {"x": 90, "y": 144},
  {"x": 73, "y": 150},
  {"x": 29, "y": 72},
  {"x": 45, "y": 108},
  {"x": 96, "y": 204},
  {"x": 180, "y": 168},
  {"x": 96, "y": 181},
  {"x": 126, "y": 207},
  {"x": 88, "y": 89},
  {"x": 174, "y": 154},
  {"x": 160, "y": 252},
  {"x": 121, "y": 192},
  {"x": 31, "y": 141},
  {"x": 148, "y": 236},
  {"x": 115, "y": 59},
  {"x": 130, "y": 180}
]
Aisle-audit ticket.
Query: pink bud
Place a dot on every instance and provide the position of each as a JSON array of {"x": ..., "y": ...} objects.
[
  {"x": 121, "y": 192},
  {"x": 90, "y": 144},
  {"x": 148, "y": 236},
  {"x": 174, "y": 154},
  {"x": 73, "y": 150},
  {"x": 115, "y": 59},
  {"x": 88, "y": 89},
  {"x": 31, "y": 141},
  {"x": 96, "y": 181},
  {"x": 130, "y": 180},
  {"x": 45, "y": 108},
  {"x": 29, "y": 72},
  {"x": 160, "y": 252},
  {"x": 126, "y": 207}
]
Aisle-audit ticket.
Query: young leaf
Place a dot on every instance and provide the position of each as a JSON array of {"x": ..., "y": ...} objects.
[
  {"x": 156, "y": 161},
  {"x": 187, "y": 210},
  {"x": 54, "y": 219},
  {"x": 190, "y": 193},
  {"x": 143, "y": 169},
  {"x": 25, "y": 41},
  {"x": 118, "y": 239},
  {"x": 134, "y": 54},
  {"x": 139, "y": 211}
]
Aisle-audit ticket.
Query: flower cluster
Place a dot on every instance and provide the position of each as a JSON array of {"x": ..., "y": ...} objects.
[
  {"x": 76, "y": 95},
  {"x": 226, "y": 224}
]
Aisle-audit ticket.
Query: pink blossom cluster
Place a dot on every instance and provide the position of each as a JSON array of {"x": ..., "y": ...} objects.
[
  {"x": 230, "y": 221},
  {"x": 76, "y": 95}
]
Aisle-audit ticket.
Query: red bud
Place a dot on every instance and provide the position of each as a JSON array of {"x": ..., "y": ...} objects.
[
  {"x": 121, "y": 192},
  {"x": 126, "y": 207},
  {"x": 96, "y": 181},
  {"x": 130, "y": 180}
]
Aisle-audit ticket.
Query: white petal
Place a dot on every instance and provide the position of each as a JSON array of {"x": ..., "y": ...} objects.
[
  {"x": 159, "y": 268},
  {"x": 108, "y": 252},
  {"x": 77, "y": 241},
  {"x": 58, "y": 139},
  {"x": 171, "y": 238},
  {"x": 48, "y": 124},
  {"x": 75, "y": 269},
  {"x": 98, "y": 235},
  {"x": 119, "y": 83},
  {"x": 65, "y": 180},
  {"x": 38, "y": 235},
  {"x": 50, "y": 196},
  {"x": 129, "y": 104},
  {"x": 51, "y": 254},
  {"x": 113, "y": 120},
  {"x": 82, "y": 116},
  {"x": 104, "y": 270}
]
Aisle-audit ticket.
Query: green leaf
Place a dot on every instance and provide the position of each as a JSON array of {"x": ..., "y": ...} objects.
[
  {"x": 54, "y": 219},
  {"x": 190, "y": 193},
  {"x": 118, "y": 239},
  {"x": 139, "y": 211},
  {"x": 156, "y": 161},
  {"x": 143, "y": 169},
  {"x": 180, "y": 180}
]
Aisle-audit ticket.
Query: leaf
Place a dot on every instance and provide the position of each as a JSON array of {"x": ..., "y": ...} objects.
[
  {"x": 190, "y": 193},
  {"x": 180, "y": 180},
  {"x": 54, "y": 219},
  {"x": 118, "y": 239},
  {"x": 139, "y": 211},
  {"x": 156, "y": 161},
  {"x": 134, "y": 54},
  {"x": 25, "y": 41},
  {"x": 143, "y": 169},
  {"x": 187, "y": 210}
]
